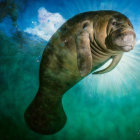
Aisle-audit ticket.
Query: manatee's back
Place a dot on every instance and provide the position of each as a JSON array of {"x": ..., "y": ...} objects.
[{"x": 59, "y": 60}]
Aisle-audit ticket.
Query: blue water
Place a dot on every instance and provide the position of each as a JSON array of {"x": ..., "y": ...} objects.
[{"x": 100, "y": 107}]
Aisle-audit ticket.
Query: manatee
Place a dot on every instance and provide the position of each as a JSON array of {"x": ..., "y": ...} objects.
[{"x": 79, "y": 47}]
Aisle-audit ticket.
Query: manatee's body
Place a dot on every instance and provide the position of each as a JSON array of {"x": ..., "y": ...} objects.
[{"x": 76, "y": 49}]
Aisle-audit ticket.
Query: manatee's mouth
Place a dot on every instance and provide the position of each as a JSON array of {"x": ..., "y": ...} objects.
[{"x": 126, "y": 48}]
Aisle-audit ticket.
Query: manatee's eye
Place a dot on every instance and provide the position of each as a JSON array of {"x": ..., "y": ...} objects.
[
  {"x": 85, "y": 25},
  {"x": 130, "y": 24},
  {"x": 114, "y": 23}
]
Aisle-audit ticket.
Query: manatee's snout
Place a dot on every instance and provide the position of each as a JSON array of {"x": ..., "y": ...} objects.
[{"x": 123, "y": 39}]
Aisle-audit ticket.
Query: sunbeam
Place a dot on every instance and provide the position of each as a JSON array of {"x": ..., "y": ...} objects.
[
  {"x": 99, "y": 107},
  {"x": 117, "y": 82}
]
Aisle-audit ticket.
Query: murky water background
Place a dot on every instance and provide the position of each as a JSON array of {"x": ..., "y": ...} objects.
[{"x": 100, "y": 107}]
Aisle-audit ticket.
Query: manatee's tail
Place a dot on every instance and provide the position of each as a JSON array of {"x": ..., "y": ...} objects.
[{"x": 45, "y": 114}]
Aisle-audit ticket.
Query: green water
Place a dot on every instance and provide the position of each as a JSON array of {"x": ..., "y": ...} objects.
[{"x": 100, "y": 107}]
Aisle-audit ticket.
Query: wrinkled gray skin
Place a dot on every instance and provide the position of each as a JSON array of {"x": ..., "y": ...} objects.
[{"x": 80, "y": 46}]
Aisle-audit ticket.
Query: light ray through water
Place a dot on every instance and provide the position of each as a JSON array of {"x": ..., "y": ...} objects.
[
  {"x": 98, "y": 107},
  {"x": 117, "y": 82}
]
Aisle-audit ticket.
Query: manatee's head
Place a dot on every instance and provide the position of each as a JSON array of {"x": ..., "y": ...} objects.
[
  {"x": 120, "y": 34},
  {"x": 115, "y": 32}
]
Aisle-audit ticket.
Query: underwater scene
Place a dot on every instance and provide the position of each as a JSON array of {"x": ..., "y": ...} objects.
[{"x": 99, "y": 107}]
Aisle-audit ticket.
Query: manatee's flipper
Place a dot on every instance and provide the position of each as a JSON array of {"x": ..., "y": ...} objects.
[
  {"x": 84, "y": 55},
  {"x": 45, "y": 114},
  {"x": 115, "y": 60}
]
